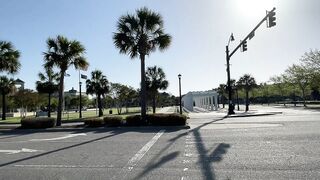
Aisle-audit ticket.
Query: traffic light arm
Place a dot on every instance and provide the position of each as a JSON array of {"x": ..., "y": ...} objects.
[{"x": 250, "y": 34}]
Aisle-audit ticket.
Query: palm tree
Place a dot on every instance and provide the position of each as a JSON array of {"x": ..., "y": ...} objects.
[
  {"x": 6, "y": 86},
  {"x": 62, "y": 54},
  {"x": 98, "y": 85},
  {"x": 9, "y": 58},
  {"x": 138, "y": 35},
  {"x": 48, "y": 84},
  {"x": 247, "y": 82},
  {"x": 222, "y": 90},
  {"x": 155, "y": 80}
]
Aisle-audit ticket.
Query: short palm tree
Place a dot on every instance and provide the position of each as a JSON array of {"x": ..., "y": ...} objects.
[
  {"x": 138, "y": 35},
  {"x": 155, "y": 80},
  {"x": 222, "y": 90},
  {"x": 247, "y": 82},
  {"x": 48, "y": 84},
  {"x": 9, "y": 58},
  {"x": 6, "y": 86},
  {"x": 98, "y": 85},
  {"x": 63, "y": 53}
]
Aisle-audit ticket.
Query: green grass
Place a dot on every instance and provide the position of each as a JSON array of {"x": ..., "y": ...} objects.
[{"x": 74, "y": 116}]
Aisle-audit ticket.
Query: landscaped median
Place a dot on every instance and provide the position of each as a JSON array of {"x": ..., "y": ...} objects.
[
  {"x": 37, "y": 122},
  {"x": 136, "y": 120},
  {"x": 106, "y": 121}
]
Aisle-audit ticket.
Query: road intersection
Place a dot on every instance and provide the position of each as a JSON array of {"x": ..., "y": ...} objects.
[{"x": 281, "y": 146}]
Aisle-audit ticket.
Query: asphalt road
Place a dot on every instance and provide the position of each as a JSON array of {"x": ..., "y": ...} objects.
[{"x": 282, "y": 146}]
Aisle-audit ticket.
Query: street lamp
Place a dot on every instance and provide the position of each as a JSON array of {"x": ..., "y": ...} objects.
[
  {"x": 81, "y": 76},
  {"x": 179, "y": 76}
]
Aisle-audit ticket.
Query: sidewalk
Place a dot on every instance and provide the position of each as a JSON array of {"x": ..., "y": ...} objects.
[{"x": 253, "y": 111}]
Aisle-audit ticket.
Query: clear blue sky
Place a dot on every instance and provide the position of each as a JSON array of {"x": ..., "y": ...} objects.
[{"x": 200, "y": 30}]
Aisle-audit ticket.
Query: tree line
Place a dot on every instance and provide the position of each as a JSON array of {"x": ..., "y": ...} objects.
[
  {"x": 299, "y": 83},
  {"x": 138, "y": 35}
]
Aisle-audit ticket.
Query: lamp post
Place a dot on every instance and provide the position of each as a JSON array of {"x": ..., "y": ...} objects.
[
  {"x": 81, "y": 76},
  {"x": 179, "y": 76},
  {"x": 80, "y": 103}
]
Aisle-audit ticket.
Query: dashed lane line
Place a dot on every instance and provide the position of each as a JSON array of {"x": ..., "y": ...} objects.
[{"x": 138, "y": 156}]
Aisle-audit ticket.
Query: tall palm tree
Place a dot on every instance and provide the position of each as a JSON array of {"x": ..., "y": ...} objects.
[
  {"x": 63, "y": 53},
  {"x": 48, "y": 84},
  {"x": 138, "y": 35},
  {"x": 9, "y": 58},
  {"x": 155, "y": 80},
  {"x": 6, "y": 86},
  {"x": 247, "y": 82},
  {"x": 98, "y": 85}
]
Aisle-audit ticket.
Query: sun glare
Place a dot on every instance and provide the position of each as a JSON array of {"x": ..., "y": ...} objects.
[{"x": 254, "y": 7}]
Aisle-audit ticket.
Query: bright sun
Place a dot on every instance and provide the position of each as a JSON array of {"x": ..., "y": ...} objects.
[{"x": 254, "y": 7}]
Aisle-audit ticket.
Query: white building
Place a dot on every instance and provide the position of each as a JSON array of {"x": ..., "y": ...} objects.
[{"x": 203, "y": 99}]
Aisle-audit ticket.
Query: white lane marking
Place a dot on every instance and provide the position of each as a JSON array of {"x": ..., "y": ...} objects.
[
  {"x": 59, "y": 138},
  {"x": 185, "y": 169},
  {"x": 62, "y": 166},
  {"x": 136, "y": 158},
  {"x": 23, "y": 150}
]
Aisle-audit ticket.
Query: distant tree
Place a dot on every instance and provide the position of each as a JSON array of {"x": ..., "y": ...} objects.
[
  {"x": 312, "y": 60},
  {"x": 63, "y": 53},
  {"x": 98, "y": 85},
  {"x": 9, "y": 58},
  {"x": 280, "y": 84},
  {"x": 119, "y": 94},
  {"x": 6, "y": 86},
  {"x": 27, "y": 99},
  {"x": 155, "y": 81},
  {"x": 138, "y": 35},
  {"x": 299, "y": 75},
  {"x": 247, "y": 82},
  {"x": 48, "y": 84},
  {"x": 222, "y": 90}
]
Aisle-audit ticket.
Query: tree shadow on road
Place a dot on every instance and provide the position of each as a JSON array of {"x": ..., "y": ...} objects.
[{"x": 205, "y": 157}]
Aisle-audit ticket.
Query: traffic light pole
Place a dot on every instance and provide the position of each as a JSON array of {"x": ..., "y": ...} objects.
[{"x": 228, "y": 56}]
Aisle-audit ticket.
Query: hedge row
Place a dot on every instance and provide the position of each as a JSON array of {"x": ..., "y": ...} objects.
[
  {"x": 111, "y": 121},
  {"x": 136, "y": 120},
  {"x": 38, "y": 122}
]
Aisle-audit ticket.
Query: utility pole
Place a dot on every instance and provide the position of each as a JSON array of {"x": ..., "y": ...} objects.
[{"x": 270, "y": 19}]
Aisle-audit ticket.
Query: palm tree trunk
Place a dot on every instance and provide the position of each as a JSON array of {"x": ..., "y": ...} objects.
[
  {"x": 143, "y": 95},
  {"x": 247, "y": 100},
  {"x": 49, "y": 105},
  {"x": 60, "y": 102},
  {"x": 4, "y": 109},
  {"x": 154, "y": 103},
  {"x": 100, "y": 106}
]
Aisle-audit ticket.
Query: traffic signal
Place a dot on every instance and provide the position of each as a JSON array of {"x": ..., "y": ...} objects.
[
  {"x": 244, "y": 46},
  {"x": 271, "y": 19}
]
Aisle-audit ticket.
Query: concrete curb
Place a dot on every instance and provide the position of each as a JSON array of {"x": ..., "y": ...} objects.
[
  {"x": 83, "y": 127},
  {"x": 249, "y": 115}
]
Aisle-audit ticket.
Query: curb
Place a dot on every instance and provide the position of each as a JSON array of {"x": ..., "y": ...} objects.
[{"x": 249, "y": 115}]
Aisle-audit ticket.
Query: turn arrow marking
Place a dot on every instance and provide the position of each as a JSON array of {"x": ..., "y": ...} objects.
[
  {"x": 23, "y": 150},
  {"x": 59, "y": 138}
]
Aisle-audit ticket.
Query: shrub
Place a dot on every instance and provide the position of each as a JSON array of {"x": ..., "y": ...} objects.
[
  {"x": 167, "y": 119},
  {"x": 94, "y": 122},
  {"x": 113, "y": 121},
  {"x": 38, "y": 122},
  {"x": 134, "y": 120}
]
